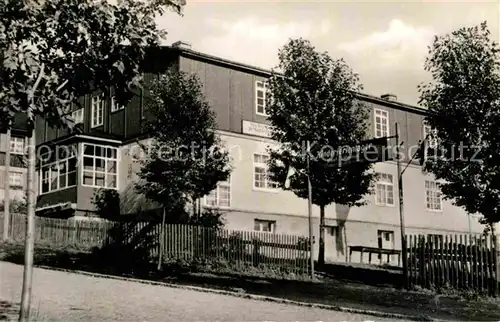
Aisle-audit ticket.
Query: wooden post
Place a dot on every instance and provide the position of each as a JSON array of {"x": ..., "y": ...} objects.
[
  {"x": 401, "y": 210},
  {"x": 496, "y": 259},
  {"x": 6, "y": 187},
  {"x": 309, "y": 210}
]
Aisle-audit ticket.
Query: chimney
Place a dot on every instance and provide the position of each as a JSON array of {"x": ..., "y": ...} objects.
[
  {"x": 181, "y": 45},
  {"x": 389, "y": 97}
]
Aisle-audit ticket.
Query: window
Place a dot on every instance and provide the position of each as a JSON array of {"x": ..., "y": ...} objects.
[
  {"x": 433, "y": 196},
  {"x": 115, "y": 106},
  {"x": 265, "y": 225},
  {"x": 77, "y": 116},
  {"x": 100, "y": 164},
  {"x": 385, "y": 239},
  {"x": 58, "y": 170},
  {"x": 261, "y": 173},
  {"x": 384, "y": 190},
  {"x": 381, "y": 123},
  {"x": 260, "y": 97},
  {"x": 387, "y": 236},
  {"x": 16, "y": 179},
  {"x": 432, "y": 139},
  {"x": 16, "y": 145},
  {"x": 97, "y": 110},
  {"x": 220, "y": 196}
]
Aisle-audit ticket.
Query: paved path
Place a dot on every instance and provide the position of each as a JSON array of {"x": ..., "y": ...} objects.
[{"x": 59, "y": 296}]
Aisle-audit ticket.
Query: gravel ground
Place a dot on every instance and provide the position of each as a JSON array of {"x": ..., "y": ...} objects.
[{"x": 59, "y": 296}]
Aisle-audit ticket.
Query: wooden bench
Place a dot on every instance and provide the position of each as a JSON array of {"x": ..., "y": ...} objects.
[{"x": 375, "y": 250}]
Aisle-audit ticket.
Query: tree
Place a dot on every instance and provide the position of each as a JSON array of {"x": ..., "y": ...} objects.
[
  {"x": 185, "y": 160},
  {"x": 16, "y": 206},
  {"x": 107, "y": 203},
  {"x": 54, "y": 51},
  {"x": 314, "y": 100},
  {"x": 463, "y": 101}
]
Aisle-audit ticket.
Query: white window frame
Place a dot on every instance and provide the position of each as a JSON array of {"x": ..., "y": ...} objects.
[
  {"x": 106, "y": 159},
  {"x": 384, "y": 118},
  {"x": 262, "y": 222},
  {"x": 97, "y": 111},
  {"x": 269, "y": 186},
  {"x": 115, "y": 107},
  {"x": 216, "y": 193},
  {"x": 381, "y": 183},
  {"x": 48, "y": 177},
  {"x": 15, "y": 179},
  {"x": 16, "y": 145},
  {"x": 427, "y": 129},
  {"x": 78, "y": 115},
  {"x": 433, "y": 193},
  {"x": 261, "y": 86},
  {"x": 384, "y": 233}
]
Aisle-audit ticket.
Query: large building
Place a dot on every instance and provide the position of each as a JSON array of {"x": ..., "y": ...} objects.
[
  {"x": 99, "y": 157},
  {"x": 15, "y": 180}
]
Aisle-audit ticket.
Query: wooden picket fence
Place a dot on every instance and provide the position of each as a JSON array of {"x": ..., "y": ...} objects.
[
  {"x": 464, "y": 262},
  {"x": 60, "y": 233},
  {"x": 180, "y": 242}
]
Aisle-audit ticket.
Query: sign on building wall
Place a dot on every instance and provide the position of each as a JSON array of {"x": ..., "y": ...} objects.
[
  {"x": 369, "y": 151},
  {"x": 257, "y": 129}
]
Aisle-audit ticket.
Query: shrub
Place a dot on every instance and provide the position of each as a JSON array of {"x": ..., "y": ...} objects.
[
  {"x": 16, "y": 206},
  {"x": 107, "y": 203},
  {"x": 210, "y": 218}
]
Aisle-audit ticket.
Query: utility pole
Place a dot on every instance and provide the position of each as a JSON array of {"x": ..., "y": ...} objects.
[
  {"x": 401, "y": 205},
  {"x": 6, "y": 189},
  {"x": 309, "y": 208},
  {"x": 422, "y": 155}
]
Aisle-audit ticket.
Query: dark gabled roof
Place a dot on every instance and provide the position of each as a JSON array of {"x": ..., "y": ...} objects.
[
  {"x": 78, "y": 135},
  {"x": 189, "y": 53}
]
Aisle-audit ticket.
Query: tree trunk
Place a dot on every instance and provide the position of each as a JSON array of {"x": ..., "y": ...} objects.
[
  {"x": 197, "y": 208},
  {"x": 194, "y": 202},
  {"x": 162, "y": 240},
  {"x": 30, "y": 230},
  {"x": 29, "y": 250},
  {"x": 6, "y": 186},
  {"x": 321, "y": 254}
]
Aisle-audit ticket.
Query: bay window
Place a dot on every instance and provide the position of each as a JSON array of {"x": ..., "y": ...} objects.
[
  {"x": 58, "y": 169},
  {"x": 100, "y": 166}
]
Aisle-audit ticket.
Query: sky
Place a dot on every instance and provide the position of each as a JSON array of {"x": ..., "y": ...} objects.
[{"x": 385, "y": 42}]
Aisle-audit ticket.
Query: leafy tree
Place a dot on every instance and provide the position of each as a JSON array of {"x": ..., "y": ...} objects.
[
  {"x": 130, "y": 206},
  {"x": 185, "y": 159},
  {"x": 463, "y": 100},
  {"x": 211, "y": 218},
  {"x": 54, "y": 51},
  {"x": 107, "y": 203},
  {"x": 16, "y": 206},
  {"x": 314, "y": 100}
]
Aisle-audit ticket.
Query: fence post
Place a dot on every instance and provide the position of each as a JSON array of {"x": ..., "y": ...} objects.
[{"x": 496, "y": 259}]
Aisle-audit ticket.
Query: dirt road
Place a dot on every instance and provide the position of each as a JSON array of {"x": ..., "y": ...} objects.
[{"x": 59, "y": 296}]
